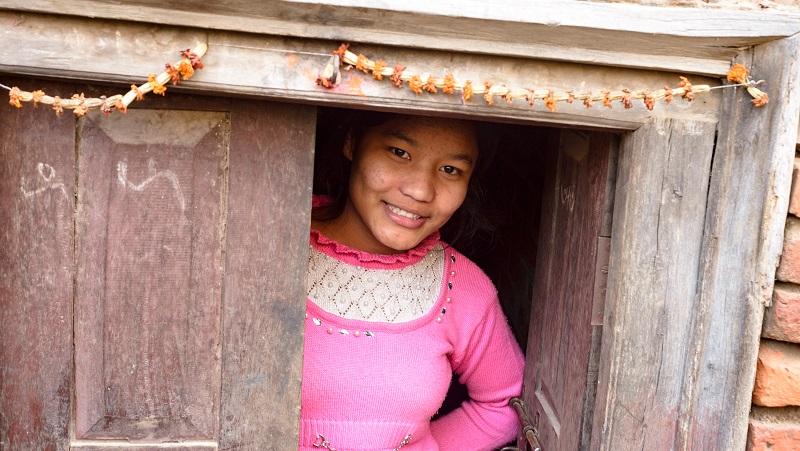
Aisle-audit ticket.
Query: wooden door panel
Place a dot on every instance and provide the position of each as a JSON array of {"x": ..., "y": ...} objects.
[
  {"x": 36, "y": 229},
  {"x": 150, "y": 222},
  {"x": 561, "y": 318}
]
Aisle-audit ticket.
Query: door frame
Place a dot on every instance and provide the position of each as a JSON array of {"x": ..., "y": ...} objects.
[{"x": 701, "y": 397}]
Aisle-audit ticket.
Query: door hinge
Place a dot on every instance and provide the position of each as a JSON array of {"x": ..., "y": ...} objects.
[{"x": 529, "y": 432}]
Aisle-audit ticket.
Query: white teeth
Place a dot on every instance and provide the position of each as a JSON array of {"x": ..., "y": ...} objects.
[{"x": 402, "y": 212}]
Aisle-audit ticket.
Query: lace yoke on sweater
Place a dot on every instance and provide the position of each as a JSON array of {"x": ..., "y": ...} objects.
[{"x": 370, "y": 294}]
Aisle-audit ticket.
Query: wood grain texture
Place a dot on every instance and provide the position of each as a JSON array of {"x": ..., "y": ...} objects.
[
  {"x": 559, "y": 343},
  {"x": 271, "y": 165},
  {"x": 284, "y": 68},
  {"x": 683, "y": 39},
  {"x": 662, "y": 186},
  {"x": 149, "y": 270},
  {"x": 748, "y": 203},
  {"x": 37, "y": 179}
]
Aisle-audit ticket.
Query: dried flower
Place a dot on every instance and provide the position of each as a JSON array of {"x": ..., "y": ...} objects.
[
  {"x": 186, "y": 70},
  {"x": 430, "y": 84},
  {"x": 341, "y": 51},
  {"x": 466, "y": 91},
  {"x": 760, "y": 97},
  {"x": 157, "y": 88},
  {"x": 606, "y": 98},
  {"x": 57, "y": 106},
  {"x": 550, "y": 101},
  {"x": 81, "y": 109},
  {"x": 104, "y": 106},
  {"x": 14, "y": 96},
  {"x": 571, "y": 96},
  {"x": 193, "y": 58},
  {"x": 687, "y": 89},
  {"x": 449, "y": 84},
  {"x": 361, "y": 63},
  {"x": 173, "y": 73},
  {"x": 530, "y": 97},
  {"x": 587, "y": 102},
  {"x": 668, "y": 95},
  {"x": 649, "y": 102},
  {"x": 377, "y": 72},
  {"x": 626, "y": 99},
  {"x": 507, "y": 96},
  {"x": 415, "y": 84},
  {"x": 487, "y": 95},
  {"x": 139, "y": 94},
  {"x": 738, "y": 73},
  {"x": 38, "y": 95},
  {"x": 118, "y": 104},
  {"x": 395, "y": 78}
]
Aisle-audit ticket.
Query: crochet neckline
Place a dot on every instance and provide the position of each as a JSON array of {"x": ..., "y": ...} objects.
[{"x": 351, "y": 255}]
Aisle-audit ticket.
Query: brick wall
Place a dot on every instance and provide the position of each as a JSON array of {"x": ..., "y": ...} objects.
[{"x": 775, "y": 417}]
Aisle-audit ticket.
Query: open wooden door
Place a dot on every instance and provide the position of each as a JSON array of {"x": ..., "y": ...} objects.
[
  {"x": 569, "y": 292},
  {"x": 167, "y": 247}
]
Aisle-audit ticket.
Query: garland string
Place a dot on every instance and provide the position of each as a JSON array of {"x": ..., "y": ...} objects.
[{"x": 490, "y": 91}]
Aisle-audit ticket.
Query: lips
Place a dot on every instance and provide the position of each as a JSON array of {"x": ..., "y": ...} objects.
[{"x": 403, "y": 213}]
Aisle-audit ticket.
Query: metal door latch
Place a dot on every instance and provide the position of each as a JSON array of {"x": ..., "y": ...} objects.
[{"x": 529, "y": 431}]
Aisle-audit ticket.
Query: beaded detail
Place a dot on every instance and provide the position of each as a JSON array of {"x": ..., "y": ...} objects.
[{"x": 381, "y": 295}]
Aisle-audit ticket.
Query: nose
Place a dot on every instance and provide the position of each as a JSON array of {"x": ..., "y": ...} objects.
[{"x": 420, "y": 186}]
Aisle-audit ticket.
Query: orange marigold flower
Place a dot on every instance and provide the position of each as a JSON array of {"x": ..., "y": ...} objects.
[
  {"x": 571, "y": 97},
  {"x": 761, "y": 100},
  {"x": 649, "y": 102},
  {"x": 507, "y": 96},
  {"x": 668, "y": 96},
  {"x": 550, "y": 101},
  {"x": 81, "y": 109},
  {"x": 341, "y": 51},
  {"x": 186, "y": 69},
  {"x": 139, "y": 94},
  {"x": 57, "y": 106},
  {"x": 587, "y": 102},
  {"x": 173, "y": 72},
  {"x": 606, "y": 98},
  {"x": 415, "y": 84},
  {"x": 449, "y": 84},
  {"x": 104, "y": 107},
  {"x": 13, "y": 97},
  {"x": 120, "y": 106},
  {"x": 466, "y": 91},
  {"x": 487, "y": 96},
  {"x": 738, "y": 73},
  {"x": 361, "y": 63},
  {"x": 395, "y": 78},
  {"x": 193, "y": 58},
  {"x": 626, "y": 99},
  {"x": 38, "y": 95},
  {"x": 687, "y": 89},
  {"x": 430, "y": 84},
  {"x": 530, "y": 97},
  {"x": 377, "y": 72},
  {"x": 157, "y": 88}
]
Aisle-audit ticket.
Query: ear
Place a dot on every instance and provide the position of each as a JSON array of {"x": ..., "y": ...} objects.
[{"x": 348, "y": 148}]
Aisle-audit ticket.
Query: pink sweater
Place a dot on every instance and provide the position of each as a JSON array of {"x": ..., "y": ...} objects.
[{"x": 373, "y": 385}]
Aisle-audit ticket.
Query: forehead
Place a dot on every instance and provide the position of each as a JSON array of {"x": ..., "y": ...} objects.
[{"x": 429, "y": 132}]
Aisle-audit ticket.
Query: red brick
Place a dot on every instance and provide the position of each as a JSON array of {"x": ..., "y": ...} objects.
[
  {"x": 777, "y": 374},
  {"x": 789, "y": 268},
  {"x": 794, "y": 196},
  {"x": 774, "y": 429},
  {"x": 782, "y": 319}
]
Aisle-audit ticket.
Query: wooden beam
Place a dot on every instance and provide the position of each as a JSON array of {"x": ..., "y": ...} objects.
[
  {"x": 682, "y": 39},
  {"x": 748, "y": 203},
  {"x": 284, "y": 68}
]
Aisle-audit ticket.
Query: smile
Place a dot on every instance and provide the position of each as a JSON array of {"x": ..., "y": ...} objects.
[{"x": 403, "y": 213}]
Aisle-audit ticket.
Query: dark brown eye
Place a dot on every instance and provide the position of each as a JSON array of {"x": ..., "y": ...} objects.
[{"x": 400, "y": 153}]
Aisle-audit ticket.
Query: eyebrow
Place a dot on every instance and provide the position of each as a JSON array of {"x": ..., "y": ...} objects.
[{"x": 403, "y": 137}]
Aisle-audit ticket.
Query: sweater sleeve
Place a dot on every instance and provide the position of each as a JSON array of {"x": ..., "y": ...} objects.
[{"x": 490, "y": 363}]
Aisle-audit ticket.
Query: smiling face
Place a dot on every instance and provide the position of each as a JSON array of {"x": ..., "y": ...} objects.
[{"x": 409, "y": 175}]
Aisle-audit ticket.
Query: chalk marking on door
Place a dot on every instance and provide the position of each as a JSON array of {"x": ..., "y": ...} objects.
[
  {"x": 122, "y": 176},
  {"x": 48, "y": 178}
]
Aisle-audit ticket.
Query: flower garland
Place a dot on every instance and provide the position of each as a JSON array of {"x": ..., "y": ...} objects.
[
  {"x": 449, "y": 85},
  {"x": 191, "y": 60}
]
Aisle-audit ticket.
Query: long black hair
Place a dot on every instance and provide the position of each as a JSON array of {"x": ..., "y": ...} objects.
[{"x": 332, "y": 174}]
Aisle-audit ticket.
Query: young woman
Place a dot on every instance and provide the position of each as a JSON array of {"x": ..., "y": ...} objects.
[{"x": 392, "y": 310}]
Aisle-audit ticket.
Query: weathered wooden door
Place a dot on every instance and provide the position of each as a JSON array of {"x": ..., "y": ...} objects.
[
  {"x": 153, "y": 269},
  {"x": 569, "y": 292}
]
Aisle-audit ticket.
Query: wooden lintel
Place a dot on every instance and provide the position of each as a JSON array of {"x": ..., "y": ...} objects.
[
  {"x": 287, "y": 68},
  {"x": 689, "y": 40}
]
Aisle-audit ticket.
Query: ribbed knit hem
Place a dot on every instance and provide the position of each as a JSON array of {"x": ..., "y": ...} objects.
[{"x": 356, "y": 435}]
